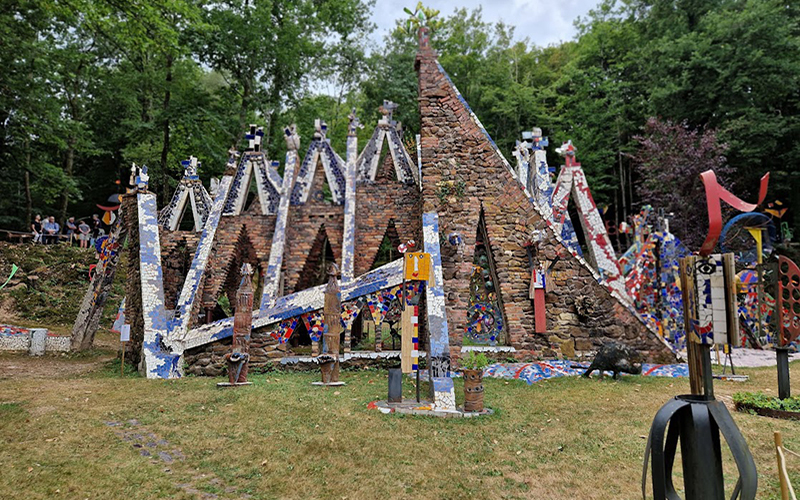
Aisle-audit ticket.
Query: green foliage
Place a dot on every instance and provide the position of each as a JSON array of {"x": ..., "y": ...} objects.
[
  {"x": 88, "y": 87},
  {"x": 50, "y": 283},
  {"x": 761, "y": 400},
  {"x": 473, "y": 361}
]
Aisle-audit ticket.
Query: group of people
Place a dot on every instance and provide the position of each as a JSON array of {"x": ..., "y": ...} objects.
[{"x": 48, "y": 232}]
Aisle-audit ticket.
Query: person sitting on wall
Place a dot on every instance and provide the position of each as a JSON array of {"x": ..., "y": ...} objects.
[
  {"x": 84, "y": 234},
  {"x": 70, "y": 228},
  {"x": 36, "y": 227},
  {"x": 51, "y": 228}
]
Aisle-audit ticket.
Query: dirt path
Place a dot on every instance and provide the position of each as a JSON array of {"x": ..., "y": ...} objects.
[{"x": 50, "y": 366}]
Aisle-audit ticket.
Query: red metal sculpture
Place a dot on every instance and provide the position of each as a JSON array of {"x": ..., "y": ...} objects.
[
  {"x": 788, "y": 301},
  {"x": 715, "y": 193}
]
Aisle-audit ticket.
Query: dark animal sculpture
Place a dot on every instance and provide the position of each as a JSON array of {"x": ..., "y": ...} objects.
[{"x": 616, "y": 358}]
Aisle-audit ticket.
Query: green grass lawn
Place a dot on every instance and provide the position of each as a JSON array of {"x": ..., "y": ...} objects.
[{"x": 566, "y": 438}]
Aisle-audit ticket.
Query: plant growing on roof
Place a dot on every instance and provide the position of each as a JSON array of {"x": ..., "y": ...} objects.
[{"x": 421, "y": 16}]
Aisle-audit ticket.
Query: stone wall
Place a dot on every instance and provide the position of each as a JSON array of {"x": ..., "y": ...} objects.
[{"x": 463, "y": 176}]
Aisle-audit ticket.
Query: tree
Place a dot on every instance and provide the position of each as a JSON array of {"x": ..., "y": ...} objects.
[{"x": 669, "y": 161}]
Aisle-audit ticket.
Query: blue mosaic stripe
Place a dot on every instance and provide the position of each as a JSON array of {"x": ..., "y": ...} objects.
[
  {"x": 170, "y": 216},
  {"x": 335, "y": 171},
  {"x": 349, "y": 232},
  {"x": 269, "y": 194},
  {"x": 299, "y": 303},
  {"x": 158, "y": 363},
  {"x": 439, "y": 341},
  {"x": 305, "y": 176},
  {"x": 367, "y": 164},
  {"x": 475, "y": 119},
  {"x": 239, "y": 186},
  {"x": 400, "y": 157},
  {"x": 273, "y": 274},
  {"x": 194, "y": 277}
]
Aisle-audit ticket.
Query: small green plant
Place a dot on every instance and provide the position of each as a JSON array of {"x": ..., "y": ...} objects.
[
  {"x": 422, "y": 16},
  {"x": 760, "y": 400},
  {"x": 474, "y": 361}
]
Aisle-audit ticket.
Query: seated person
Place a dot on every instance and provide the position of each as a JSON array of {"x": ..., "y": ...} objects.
[
  {"x": 36, "y": 227},
  {"x": 51, "y": 228}
]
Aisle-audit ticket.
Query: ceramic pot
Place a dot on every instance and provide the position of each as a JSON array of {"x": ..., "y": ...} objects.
[{"x": 473, "y": 390}]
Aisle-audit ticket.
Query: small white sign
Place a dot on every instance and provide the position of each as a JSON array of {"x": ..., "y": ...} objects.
[{"x": 125, "y": 333}]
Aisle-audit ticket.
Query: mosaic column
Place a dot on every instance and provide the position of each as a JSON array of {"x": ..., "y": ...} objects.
[
  {"x": 349, "y": 236},
  {"x": 273, "y": 275},
  {"x": 194, "y": 277},
  {"x": 157, "y": 363},
  {"x": 444, "y": 398}
]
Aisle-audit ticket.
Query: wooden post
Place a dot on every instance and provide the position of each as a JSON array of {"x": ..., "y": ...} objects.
[
  {"x": 781, "y": 465},
  {"x": 406, "y": 344},
  {"x": 693, "y": 352}
]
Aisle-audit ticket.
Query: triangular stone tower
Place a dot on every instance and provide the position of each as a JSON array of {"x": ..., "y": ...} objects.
[
  {"x": 388, "y": 130},
  {"x": 189, "y": 189},
  {"x": 464, "y": 171},
  {"x": 254, "y": 163}
]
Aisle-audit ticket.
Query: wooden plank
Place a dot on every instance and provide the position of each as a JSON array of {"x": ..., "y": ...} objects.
[
  {"x": 406, "y": 336},
  {"x": 731, "y": 305},
  {"x": 694, "y": 355}
]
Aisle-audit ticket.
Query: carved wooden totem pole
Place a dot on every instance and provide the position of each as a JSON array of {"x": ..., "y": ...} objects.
[
  {"x": 329, "y": 358},
  {"x": 239, "y": 356}
]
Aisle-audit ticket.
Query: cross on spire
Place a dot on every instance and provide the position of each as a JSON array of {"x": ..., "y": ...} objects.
[
  {"x": 190, "y": 167},
  {"x": 254, "y": 138}
]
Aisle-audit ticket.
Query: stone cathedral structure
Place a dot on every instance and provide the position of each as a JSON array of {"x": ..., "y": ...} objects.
[{"x": 492, "y": 235}]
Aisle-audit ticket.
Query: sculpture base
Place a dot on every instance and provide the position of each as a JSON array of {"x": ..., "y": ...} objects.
[
  {"x": 424, "y": 408},
  {"x": 225, "y": 385},
  {"x": 329, "y": 384}
]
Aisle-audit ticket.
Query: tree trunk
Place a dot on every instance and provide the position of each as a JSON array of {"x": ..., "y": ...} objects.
[
  {"x": 69, "y": 161},
  {"x": 243, "y": 110},
  {"x": 28, "y": 198},
  {"x": 164, "y": 195}
]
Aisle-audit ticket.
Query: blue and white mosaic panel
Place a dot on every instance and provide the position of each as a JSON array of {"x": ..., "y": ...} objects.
[
  {"x": 194, "y": 277},
  {"x": 158, "y": 362},
  {"x": 272, "y": 276},
  {"x": 349, "y": 233}
]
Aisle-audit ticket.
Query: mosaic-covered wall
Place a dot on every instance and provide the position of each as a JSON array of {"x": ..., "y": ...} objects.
[{"x": 464, "y": 173}]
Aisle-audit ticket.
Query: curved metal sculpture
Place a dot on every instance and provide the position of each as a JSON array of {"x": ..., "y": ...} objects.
[{"x": 697, "y": 421}]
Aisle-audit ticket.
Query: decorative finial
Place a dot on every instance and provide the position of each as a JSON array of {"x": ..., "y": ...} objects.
[
  {"x": 292, "y": 139},
  {"x": 247, "y": 270},
  {"x": 333, "y": 270},
  {"x": 190, "y": 167},
  {"x": 320, "y": 129},
  {"x": 142, "y": 180},
  {"x": 387, "y": 110},
  {"x": 566, "y": 149},
  {"x": 355, "y": 124},
  {"x": 254, "y": 137}
]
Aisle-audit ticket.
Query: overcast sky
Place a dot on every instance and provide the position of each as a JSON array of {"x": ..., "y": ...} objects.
[{"x": 544, "y": 22}]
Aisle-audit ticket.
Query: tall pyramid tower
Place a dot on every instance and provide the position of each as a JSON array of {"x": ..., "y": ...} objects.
[{"x": 470, "y": 184}]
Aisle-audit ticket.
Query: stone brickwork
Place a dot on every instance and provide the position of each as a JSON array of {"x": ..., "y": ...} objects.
[
  {"x": 382, "y": 205},
  {"x": 463, "y": 175}
]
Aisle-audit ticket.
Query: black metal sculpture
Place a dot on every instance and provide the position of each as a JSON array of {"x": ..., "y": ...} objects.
[{"x": 697, "y": 422}]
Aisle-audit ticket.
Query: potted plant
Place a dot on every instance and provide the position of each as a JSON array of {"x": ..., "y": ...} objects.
[{"x": 472, "y": 366}]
